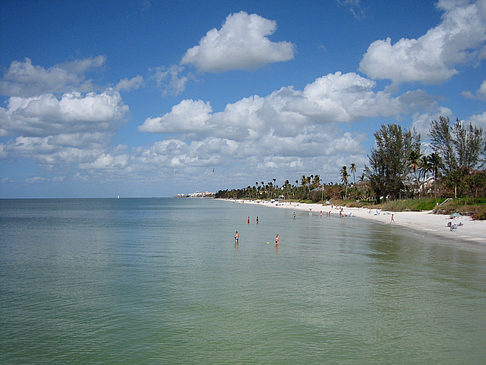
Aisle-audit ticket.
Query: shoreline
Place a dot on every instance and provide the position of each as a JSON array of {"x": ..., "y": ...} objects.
[{"x": 425, "y": 221}]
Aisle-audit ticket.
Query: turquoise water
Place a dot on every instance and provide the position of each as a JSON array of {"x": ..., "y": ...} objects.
[{"x": 160, "y": 281}]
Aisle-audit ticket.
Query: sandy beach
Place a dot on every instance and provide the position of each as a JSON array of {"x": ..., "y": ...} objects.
[{"x": 465, "y": 229}]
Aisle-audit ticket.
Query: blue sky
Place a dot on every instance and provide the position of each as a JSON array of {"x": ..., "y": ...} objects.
[{"x": 153, "y": 98}]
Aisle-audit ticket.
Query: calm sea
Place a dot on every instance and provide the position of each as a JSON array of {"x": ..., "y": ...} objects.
[{"x": 160, "y": 281}]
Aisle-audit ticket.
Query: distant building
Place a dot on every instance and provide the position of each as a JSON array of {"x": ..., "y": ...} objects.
[{"x": 197, "y": 194}]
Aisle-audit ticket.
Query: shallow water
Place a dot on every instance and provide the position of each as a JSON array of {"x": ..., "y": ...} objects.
[{"x": 160, "y": 281}]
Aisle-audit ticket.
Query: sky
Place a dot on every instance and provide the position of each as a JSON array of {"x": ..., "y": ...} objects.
[{"x": 146, "y": 98}]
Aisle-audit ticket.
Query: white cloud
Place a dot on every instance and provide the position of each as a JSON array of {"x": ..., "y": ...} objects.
[
  {"x": 171, "y": 79},
  {"x": 52, "y": 150},
  {"x": 46, "y": 114},
  {"x": 107, "y": 161},
  {"x": 431, "y": 58},
  {"x": 188, "y": 115},
  {"x": 240, "y": 44},
  {"x": 297, "y": 130},
  {"x": 480, "y": 94},
  {"x": 331, "y": 98},
  {"x": 130, "y": 84},
  {"x": 25, "y": 79},
  {"x": 482, "y": 90},
  {"x": 422, "y": 121},
  {"x": 72, "y": 128},
  {"x": 479, "y": 120},
  {"x": 41, "y": 179},
  {"x": 3, "y": 152}
]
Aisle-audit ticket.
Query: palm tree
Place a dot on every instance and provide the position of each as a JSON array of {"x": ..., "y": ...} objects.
[
  {"x": 424, "y": 166},
  {"x": 352, "y": 168},
  {"x": 317, "y": 184},
  {"x": 304, "y": 184},
  {"x": 435, "y": 163},
  {"x": 344, "y": 179},
  {"x": 414, "y": 162},
  {"x": 286, "y": 188}
]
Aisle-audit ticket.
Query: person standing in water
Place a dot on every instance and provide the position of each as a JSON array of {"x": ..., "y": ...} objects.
[
  {"x": 257, "y": 220},
  {"x": 237, "y": 237},
  {"x": 277, "y": 239},
  {"x": 248, "y": 220}
]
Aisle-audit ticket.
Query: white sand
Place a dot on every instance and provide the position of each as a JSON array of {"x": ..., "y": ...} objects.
[{"x": 426, "y": 221}]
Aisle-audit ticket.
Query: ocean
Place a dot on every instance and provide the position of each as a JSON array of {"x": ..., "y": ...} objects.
[{"x": 160, "y": 281}]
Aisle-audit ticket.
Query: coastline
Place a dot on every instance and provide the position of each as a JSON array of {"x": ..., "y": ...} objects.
[{"x": 425, "y": 221}]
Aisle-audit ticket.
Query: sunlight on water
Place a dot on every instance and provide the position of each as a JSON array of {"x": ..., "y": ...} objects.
[{"x": 161, "y": 281}]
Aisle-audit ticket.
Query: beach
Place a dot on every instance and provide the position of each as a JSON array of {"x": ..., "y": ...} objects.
[{"x": 464, "y": 228}]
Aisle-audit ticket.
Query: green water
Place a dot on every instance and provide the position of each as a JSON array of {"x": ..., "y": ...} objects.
[{"x": 160, "y": 281}]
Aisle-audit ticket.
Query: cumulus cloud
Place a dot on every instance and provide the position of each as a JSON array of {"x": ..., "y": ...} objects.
[
  {"x": 297, "y": 130},
  {"x": 432, "y": 58},
  {"x": 24, "y": 79},
  {"x": 332, "y": 98},
  {"x": 240, "y": 44},
  {"x": 479, "y": 120},
  {"x": 423, "y": 121},
  {"x": 171, "y": 79},
  {"x": 52, "y": 150},
  {"x": 188, "y": 115},
  {"x": 107, "y": 161},
  {"x": 51, "y": 120},
  {"x": 130, "y": 84},
  {"x": 480, "y": 94},
  {"x": 46, "y": 114},
  {"x": 312, "y": 148},
  {"x": 73, "y": 128}
]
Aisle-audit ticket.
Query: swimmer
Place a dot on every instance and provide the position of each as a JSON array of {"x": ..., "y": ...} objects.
[{"x": 277, "y": 239}]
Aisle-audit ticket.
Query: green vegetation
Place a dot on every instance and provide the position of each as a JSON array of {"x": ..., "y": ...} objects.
[
  {"x": 399, "y": 176},
  {"x": 413, "y": 204},
  {"x": 475, "y": 207}
]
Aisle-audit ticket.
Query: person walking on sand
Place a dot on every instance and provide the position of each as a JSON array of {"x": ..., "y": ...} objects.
[
  {"x": 237, "y": 237},
  {"x": 392, "y": 220},
  {"x": 277, "y": 239}
]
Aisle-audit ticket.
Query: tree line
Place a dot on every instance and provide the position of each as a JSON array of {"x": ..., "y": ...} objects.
[{"x": 397, "y": 169}]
